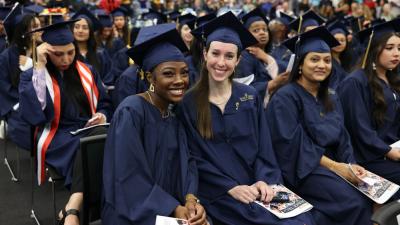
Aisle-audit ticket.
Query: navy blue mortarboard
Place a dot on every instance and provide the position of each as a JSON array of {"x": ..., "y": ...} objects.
[
  {"x": 57, "y": 33},
  {"x": 316, "y": 40},
  {"x": 200, "y": 21},
  {"x": 154, "y": 15},
  {"x": 337, "y": 27},
  {"x": 134, "y": 33},
  {"x": 310, "y": 18},
  {"x": 285, "y": 18},
  {"x": 119, "y": 12},
  {"x": 188, "y": 19},
  {"x": 12, "y": 19},
  {"x": 369, "y": 34},
  {"x": 228, "y": 29},
  {"x": 4, "y": 11},
  {"x": 84, "y": 13},
  {"x": 253, "y": 16},
  {"x": 377, "y": 21},
  {"x": 173, "y": 16},
  {"x": 105, "y": 20},
  {"x": 157, "y": 44},
  {"x": 34, "y": 9}
]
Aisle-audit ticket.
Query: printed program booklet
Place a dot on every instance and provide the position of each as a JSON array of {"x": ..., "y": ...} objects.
[
  {"x": 374, "y": 187},
  {"x": 164, "y": 220},
  {"x": 87, "y": 128},
  {"x": 295, "y": 205}
]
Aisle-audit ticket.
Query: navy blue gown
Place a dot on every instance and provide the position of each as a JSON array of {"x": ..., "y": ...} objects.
[
  {"x": 3, "y": 43},
  {"x": 248, "y": 65},
  {"x": 371, "y": 142},
  {"x": 129, "y": 83},
  {"x": 282, "y": 56},
  {"x": 120, "y": 62},
  {"x": 302, "y": 132},
  {"x": 338, "y": 74},
  {"x": 240, "y": 153},
  {"x": 104, "y": 61},
  {"x": 194, "y": 73},
  {"x": 147, "y": 168},
  {"x": 62, "y": 149},
  {"x": 18, "y": 131}
]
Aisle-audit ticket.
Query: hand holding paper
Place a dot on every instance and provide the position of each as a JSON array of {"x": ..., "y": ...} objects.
[{"x": 97, "y": 118}]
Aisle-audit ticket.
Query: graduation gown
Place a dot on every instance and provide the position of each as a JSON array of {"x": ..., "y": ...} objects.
[
  {"x": 149, "y": 172},
  {"x": 129, "y": 83},
  {"x": 62, "y": 149},
  {"x": 248, "y": 65},
  {"x": 302, "y": 132},
  {"x": 338, "y": 74},
  {"x": 104, "y": 62},
  {"x": 3, "y": 43},
  {"x": 240, "y": 153},
  {"x": 194, "y": 73},
  {"x": 120, "y": 62},
  {"x": 371, "y": 142},
  {"x": 18, "y": 130},
  {"x": 282, "y": 56}
]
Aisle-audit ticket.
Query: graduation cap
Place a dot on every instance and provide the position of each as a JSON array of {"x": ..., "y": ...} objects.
[
  {"x": 316, "y": 40},
  {"x": 377, "y": 21},
  {"x": 154, "y": 15},
  {"x": 84, "y": 13},
  {"x": 310, "y": 18},
  {"x": 377, "y": 31},
  {"x": 57, "y": 33},
  {"x": 253, "y": 16},
  {"x": 228, "y": 29},
  {"x": 157, "y": 44},
  {"x": 173, "y": 16},
  {"x": 337, "y": 27},
  {"x": 285, "y": 18},
  {"x": 12, "y": 19},
  {"x": 34, "y": 9},
  {"x": 188, "y": 19},
  {"x": 105, "y": 20},
  {"x": 200, "y": 21},
  {"x": 4, "y": 11},
  {"x": 121, "y": 11}
]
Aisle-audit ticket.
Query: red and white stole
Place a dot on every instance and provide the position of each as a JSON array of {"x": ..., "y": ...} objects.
[{"x": 50, "y": 129}]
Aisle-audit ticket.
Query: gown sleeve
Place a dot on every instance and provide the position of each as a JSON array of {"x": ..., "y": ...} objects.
[
  {"x": 297, "y": 154},
  {"x": 129, "y": 186},
  {"x": 8, "y": 93},
  {"x": 358, "y": 119}
]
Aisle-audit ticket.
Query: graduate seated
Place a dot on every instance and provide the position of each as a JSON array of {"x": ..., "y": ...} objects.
[
  {"x": 370, "y": 99},
  {"x": 13, "y": 61},
  {"x": 310, "y": 140},
  {"x": 148, "y": 170},
  {"x": 59, "y": 95},
  {"x": 228, "y": 134}
]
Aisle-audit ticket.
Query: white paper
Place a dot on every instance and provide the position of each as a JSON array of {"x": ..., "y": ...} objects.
[
  {"x": 395, "y": 145},
  {"x": 245, "y": 80},
  {"x": 291, "y": 62},
  {"x": 295, "y": 207},
  {"x": 164, "y": 220},
  {"x": 87, "y": 128}
]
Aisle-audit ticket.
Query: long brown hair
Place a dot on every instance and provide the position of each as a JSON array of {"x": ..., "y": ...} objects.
[
  {"x": 378, "y": 99},
  {"x": 201, "y": 92}
]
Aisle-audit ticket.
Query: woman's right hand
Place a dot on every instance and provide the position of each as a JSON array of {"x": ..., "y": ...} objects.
[
  {"x": 42, "y": 51},
  {"x": 181, "y": 212},
  {"x": 344, "y": 170},
  {"x": 394, "y": 154},
  {"x": 244, "y": 193}
]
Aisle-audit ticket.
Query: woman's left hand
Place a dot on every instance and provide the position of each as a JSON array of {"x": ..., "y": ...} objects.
[
  {"x": 197, "y": 214},
  {"x": 97, "y": 118},
  {"x": 258, "y": 53}
]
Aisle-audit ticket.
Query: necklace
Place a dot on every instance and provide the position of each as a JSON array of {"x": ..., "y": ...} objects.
[{"x": 163, "y": 114}]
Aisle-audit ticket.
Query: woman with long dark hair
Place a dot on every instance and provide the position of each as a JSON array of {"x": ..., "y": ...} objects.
[
  {"x": 228, "y": 134},
  {"x": 59, "y": 95},
  {"x": 310, "y": 140},
  {"x": 341, "y": 57},
  {"x": 152, "y": 173},
  {"x": 370, "y": 98},
  {"x": 85, "y": 42},
  {"x": 13, "y": 61},
  {"x": 256, "y": 60}
]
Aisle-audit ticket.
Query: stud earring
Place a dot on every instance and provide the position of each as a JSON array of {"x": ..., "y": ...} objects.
[{"x": 373, "y": 66}]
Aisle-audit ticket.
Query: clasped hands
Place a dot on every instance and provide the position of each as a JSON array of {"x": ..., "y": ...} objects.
[{"x": 248, "y": 194}]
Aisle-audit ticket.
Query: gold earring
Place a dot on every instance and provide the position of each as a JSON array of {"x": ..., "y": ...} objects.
[{"x": 151, "y": 88}]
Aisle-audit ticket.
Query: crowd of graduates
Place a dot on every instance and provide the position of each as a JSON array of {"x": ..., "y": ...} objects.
[{"x": 208, "y": 106}]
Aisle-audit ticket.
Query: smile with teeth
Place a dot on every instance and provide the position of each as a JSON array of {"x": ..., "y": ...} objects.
[{"x": 177, "y": 91}]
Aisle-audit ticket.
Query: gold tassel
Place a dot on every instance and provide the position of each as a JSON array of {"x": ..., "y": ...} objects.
[
  {"x": 34, "y": 56},
  {"x": 300, "y": 24},
  {"x": 367, "y": 50}
]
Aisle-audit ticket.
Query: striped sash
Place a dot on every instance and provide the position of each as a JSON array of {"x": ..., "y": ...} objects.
[{"x": 49, "y": 130}]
